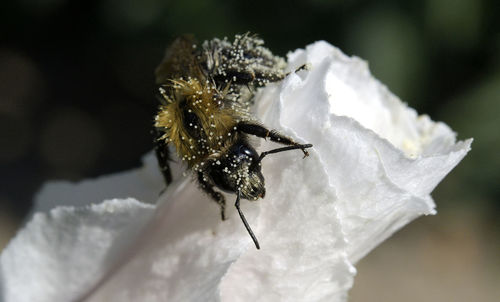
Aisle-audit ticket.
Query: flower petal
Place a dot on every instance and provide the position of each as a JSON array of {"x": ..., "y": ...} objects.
[
  {"x": 60, "y": 254},
  {"x": 382, "y": 160}
]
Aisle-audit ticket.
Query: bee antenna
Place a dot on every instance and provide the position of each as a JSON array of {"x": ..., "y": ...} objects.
[{"x": 242, "y": 216}]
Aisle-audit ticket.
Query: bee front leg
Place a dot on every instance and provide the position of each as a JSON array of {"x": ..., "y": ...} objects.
[
  {"x": 301, "y": 67},
  {"x": 275, "y": 136},
  {"x": 216, "y": 196}
]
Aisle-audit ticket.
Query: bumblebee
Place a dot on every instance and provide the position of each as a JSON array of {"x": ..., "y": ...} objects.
[{"x": 206, "y": 92}]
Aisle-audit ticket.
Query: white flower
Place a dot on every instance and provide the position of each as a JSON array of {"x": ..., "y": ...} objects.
[{"x": 371, "y": 171}]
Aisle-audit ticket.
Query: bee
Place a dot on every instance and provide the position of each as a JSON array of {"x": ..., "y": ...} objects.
[{"x": 206, "y": 93}]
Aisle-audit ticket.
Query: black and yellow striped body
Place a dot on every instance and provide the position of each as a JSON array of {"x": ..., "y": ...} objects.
[{"x": 206, "y": 95}]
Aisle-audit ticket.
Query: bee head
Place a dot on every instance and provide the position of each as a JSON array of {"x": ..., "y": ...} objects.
[
  {"x": 239, "y": 170},
  {"x": 252, "y": 185}
]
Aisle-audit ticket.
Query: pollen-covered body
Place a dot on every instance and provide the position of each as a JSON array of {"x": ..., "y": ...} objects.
[
  {"x": 206, "y": 96},
  {"x": 197, "y": 121}
]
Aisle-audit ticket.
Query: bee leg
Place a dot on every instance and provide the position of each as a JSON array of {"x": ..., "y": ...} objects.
[
  {"x": 304, "y": 146},
  {"x": 301, "y": 67},
  {"x": 163, "y": 156},
  {"x": 242, "y": 216},
  {"x": 306, "y": 66},
  {"x": 216, "y": 196},
  {"x": 275, "y": 136}
]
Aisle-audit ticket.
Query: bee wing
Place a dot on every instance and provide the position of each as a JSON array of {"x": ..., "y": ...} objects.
[{"x": 179, "y": 60}]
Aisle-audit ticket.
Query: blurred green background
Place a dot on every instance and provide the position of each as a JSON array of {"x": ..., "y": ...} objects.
[{"x": 76, "y": 101}]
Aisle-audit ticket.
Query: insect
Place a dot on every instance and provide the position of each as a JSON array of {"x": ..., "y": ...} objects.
[{"x": 206, "y": 93}]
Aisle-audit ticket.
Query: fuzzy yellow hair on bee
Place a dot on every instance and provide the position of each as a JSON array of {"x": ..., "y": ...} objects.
[
  {"x": 196, "y": 121},
  {"x": 206, "y": 95}
]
